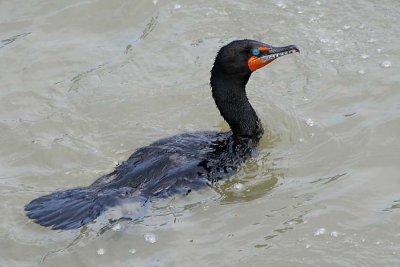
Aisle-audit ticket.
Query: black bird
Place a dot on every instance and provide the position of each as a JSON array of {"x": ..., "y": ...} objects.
[{"x": 181, "y": 163}]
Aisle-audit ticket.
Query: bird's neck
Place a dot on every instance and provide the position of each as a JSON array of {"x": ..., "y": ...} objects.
[{"x": 230, "y": 96}]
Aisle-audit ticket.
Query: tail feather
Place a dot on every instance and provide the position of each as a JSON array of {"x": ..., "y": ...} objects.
[{"x": 73, "y": 208}]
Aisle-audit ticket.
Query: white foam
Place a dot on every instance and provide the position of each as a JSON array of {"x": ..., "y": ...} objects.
[
  {"x": 101, "y": 251},
  {"x": 334, "y": 234},
  {"x": 386, "y": 64},
  {"x": 310, "y": 122},
  {"x": 117, "y": 227},
  {"x": 151, "y": 238},
  {"x": 320, "y": 231}
]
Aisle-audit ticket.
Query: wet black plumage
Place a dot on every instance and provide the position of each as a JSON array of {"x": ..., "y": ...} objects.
[{"x": 178, "y": 164}]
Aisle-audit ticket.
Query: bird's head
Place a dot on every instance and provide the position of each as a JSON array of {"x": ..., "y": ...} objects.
[{"x": 246, "y": 56}]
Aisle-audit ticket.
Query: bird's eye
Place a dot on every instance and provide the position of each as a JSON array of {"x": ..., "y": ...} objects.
[{"x": 256, "y": 52}]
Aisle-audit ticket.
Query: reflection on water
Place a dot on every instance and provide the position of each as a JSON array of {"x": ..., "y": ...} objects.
[
  {"x": 252, "y": 181},
  {"x": 247, "y": 191}
]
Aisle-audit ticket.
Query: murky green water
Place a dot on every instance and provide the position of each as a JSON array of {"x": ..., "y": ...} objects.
[{"x": 84, "y": 83}]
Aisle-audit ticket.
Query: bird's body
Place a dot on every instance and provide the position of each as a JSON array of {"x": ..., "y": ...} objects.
[
  {"x": 174, "y": 165},
  {"x": 178, "y": 164}
]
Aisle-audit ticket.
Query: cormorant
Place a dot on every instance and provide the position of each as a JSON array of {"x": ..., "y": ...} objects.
[{"x": 177, "y": 164}]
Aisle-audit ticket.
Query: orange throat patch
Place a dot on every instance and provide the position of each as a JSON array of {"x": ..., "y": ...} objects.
[{"x": 256, "y": 63}]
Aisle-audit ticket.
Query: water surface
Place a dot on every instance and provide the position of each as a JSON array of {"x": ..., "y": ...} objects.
[{"x": 84, "y": 83}]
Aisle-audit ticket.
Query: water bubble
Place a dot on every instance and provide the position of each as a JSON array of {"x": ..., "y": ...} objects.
[
  {"x": 301, "y": 140},
  {"x": 320, "y": 231},
  {"x": 155, "y": 2},
  {"x": 346, "y": 27},
  {"x": 310, "y": 122},
  {"x": 238, "y": 186},
  {"x": 101, "y": 251},
  {"x": 362, "y": 72},
  {"x": 177, "y": 6},
  {"x": 386, "y": 64},
  {"x": 281, "y": 4},
  {"x": 132, "y": 251},
  {"x": 334, "y": 234},
  {"x": 364, "y": 56},
  {"x": 378, "y": 50},
  {"x": 116, "y": 227},
  {"x": 308, "y": 246},
  {"x": 151, "y": 238}
]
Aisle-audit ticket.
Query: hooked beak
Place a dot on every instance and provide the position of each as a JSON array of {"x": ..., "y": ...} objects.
[
  {"x": 270, "y": 54},
  {"x": 275, "y": 52}
]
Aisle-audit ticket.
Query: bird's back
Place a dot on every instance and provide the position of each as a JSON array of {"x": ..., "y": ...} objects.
[
  {"x": 174, "y": 165},
  {"x": 178, "y": 164}
]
